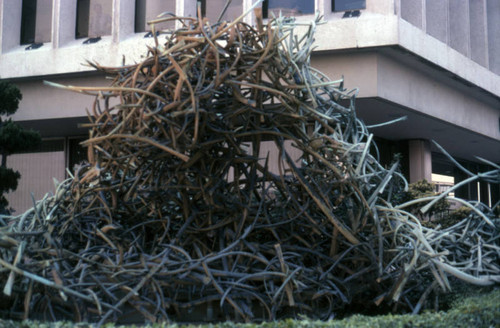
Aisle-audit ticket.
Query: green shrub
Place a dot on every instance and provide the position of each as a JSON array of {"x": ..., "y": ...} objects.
[{"x": 421, "y": 189}]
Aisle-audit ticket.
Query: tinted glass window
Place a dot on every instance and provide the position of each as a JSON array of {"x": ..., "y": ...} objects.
[
  {"x": 28, "y": 21},
  {"x": 343, "y": 5},
  {"x": 288, "y": 7}
]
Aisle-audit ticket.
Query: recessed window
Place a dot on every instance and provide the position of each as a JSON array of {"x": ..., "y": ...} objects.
[
  {"x": 212, "y": 9},
  {"x": 344, "y": 5},
  {"x": 93, "y": 18},
  {"x": 287, "y": 7},
  {"x": 36, "y": 21},
  {"x": 147, "y": 10}
]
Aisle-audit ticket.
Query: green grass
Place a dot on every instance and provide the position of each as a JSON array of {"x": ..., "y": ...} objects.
[{"x": 481, "y": 310}]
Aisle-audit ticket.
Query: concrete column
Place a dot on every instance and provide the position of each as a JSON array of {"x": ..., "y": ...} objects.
[
  {"x": 185, "y": 8},
  {"x": 324, "y": 7},
  {"x": 10, "y": 24},
  {"x": 250, "y": 18},
  {"x": 123, "y": 19},
  {"x": 100, "y": 18},
  {"x": 420, "y": 160},
  {"x": 43, "y": 21},
  {"x": 63, "y": 22}
]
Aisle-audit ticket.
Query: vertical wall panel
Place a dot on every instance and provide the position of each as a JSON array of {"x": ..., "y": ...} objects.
[
  {"x": 37, "y": 173},
  {"x": 147, "y": 10},
  {"x": 436, "y": 17},
  {"x": 411, "y": 11},
  {"x": 478, "y": 44},
  {"x": 10, "y": 20},
  {"x": 100, "y": 19},
  {"x": 214, "y": 8},
  {"x": 459, "y": 26},
  {"x": 493, "y": 17},
  {"x": 43, "y": 32}
]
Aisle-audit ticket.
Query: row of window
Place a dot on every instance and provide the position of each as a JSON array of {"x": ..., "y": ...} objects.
[{"x": 94, "y": 17}]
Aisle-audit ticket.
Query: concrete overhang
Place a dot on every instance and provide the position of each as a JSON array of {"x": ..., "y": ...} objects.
[
  {"x": 459, "y": 142},
  {"x": 462, "y": 117}
]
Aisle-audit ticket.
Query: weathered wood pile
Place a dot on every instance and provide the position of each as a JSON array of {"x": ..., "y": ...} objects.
[{"x": 179, "y": 212}]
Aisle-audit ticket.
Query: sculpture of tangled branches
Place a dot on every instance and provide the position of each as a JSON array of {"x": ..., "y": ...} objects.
[{"x": 181, "y": 215}]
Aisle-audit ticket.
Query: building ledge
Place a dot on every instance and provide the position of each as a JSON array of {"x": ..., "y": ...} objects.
[{"x": 439, "y": 53}]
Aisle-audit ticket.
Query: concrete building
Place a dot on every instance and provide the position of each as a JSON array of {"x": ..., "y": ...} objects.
[{"x": 435, "y": 61}]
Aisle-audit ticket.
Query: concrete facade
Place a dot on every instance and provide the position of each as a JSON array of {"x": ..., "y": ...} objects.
[{"x": 435, "y": 61}]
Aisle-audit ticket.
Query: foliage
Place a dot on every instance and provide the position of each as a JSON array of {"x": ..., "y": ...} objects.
[
  {"x": 13, "y": 138},
  {"x": 455, "y": 216},
  {"x": 8, "y": 182},
  {"x": 421, "y": 189},
  {"x": 10, "y": 95}
]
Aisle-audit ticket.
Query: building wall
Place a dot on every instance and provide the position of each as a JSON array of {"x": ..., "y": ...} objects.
[
  {"x": 359, "y": 70},
  {"x": 425, "y": 92},
  {"x": 38, "y": 172},
  {"x": 41, "y": 101},
  {"x": 471, "y": 28}
]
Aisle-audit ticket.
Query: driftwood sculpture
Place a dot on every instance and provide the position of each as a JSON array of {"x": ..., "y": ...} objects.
[{"x": 178, "y": 215}]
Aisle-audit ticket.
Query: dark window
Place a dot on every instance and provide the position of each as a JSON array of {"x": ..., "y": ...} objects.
[
  {"x": 28, "y": 22},
  {"x": 77, "y": 153},
  {"x": 287, "y": 7},
  {"x": 82, "y": 18},
  {"x": 140, "y": 16},
  {"x": 147, "y": 10},
  {"x": 344, "y": 5}
]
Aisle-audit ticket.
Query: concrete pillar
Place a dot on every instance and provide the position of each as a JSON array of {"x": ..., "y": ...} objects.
[
  {"x": 100, "y": 18},
  {"x": 63, "y": 22},
  {"x": 123, "y": 19},
  {"x": 185, "y": 9},
  {"x": 43, "y": 30},
  {"x": 10, "y": 25},
  {"x": 420, "y": 160},
  {"x": 250, "y": 18}
]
